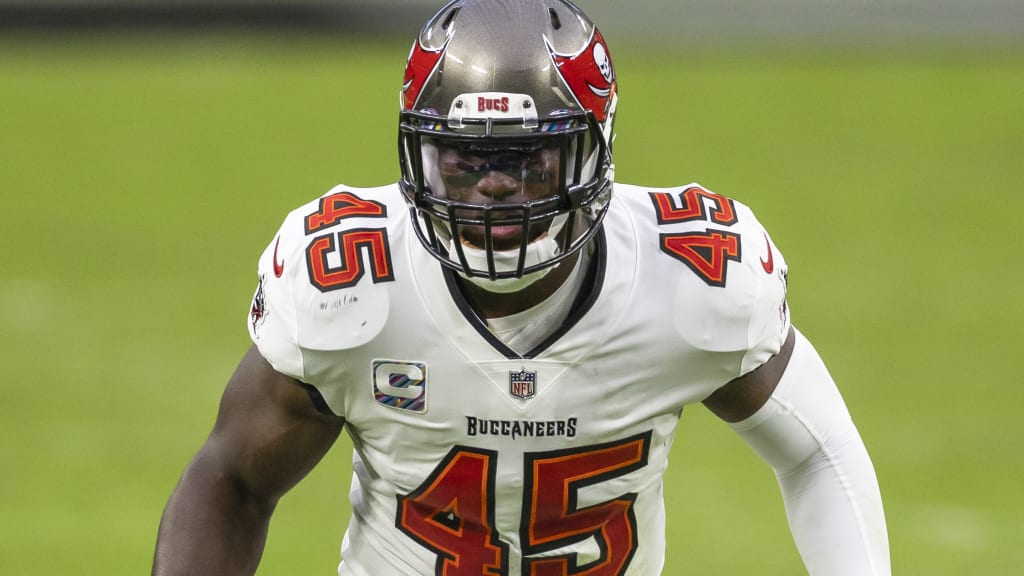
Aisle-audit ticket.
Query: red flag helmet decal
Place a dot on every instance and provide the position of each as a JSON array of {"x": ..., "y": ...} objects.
[{"x": 418, "y": 69}]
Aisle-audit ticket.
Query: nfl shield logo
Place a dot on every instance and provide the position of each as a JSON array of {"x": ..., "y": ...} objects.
[{"x": 521, "y": 384}]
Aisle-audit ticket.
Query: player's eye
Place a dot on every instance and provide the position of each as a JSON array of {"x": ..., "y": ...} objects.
[{"x": 465, "y": 174}]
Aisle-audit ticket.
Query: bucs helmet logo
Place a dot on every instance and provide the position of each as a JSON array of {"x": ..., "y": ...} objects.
[{"x": 591, "y": 76}]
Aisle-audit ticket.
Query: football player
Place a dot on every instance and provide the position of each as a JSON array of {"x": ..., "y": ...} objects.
[{"x": 509, "y": 338}]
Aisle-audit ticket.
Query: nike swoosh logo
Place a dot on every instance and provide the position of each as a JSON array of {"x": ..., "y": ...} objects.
[
  {"x": 278, "y": 267},
  {"x": 769, "y": 264}
]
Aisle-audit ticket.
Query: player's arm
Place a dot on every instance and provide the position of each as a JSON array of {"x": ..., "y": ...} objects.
[
  {"x": 791, "y": 413},
  {"x": 267, "y": 437}
]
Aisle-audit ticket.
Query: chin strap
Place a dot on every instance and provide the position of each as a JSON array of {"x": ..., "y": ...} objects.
[{"x": 805, "y": 433}]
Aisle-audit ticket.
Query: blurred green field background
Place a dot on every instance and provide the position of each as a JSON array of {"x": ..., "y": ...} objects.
[{"x": 141, "y": 178}]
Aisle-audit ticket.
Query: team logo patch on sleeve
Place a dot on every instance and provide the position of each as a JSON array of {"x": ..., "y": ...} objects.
[
  {"x": 400, "y": 385},
  {"x": 522, "y": 384},
  {"x": 258, "y": 312}
]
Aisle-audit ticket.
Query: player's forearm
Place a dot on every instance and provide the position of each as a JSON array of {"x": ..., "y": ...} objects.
[
  {"x": 827, "y": 479},
  {"x": 835, "y": 510},
  {"x": 210, "y": 526}
]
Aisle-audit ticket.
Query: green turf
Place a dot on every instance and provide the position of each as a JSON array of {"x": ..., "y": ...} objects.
[{"x": 141, "y": 178}]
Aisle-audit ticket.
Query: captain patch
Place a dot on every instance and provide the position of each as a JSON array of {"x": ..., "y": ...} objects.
[{"x": 400, "y": 385}]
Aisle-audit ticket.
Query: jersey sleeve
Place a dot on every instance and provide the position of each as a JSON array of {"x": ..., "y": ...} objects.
[
  {"x": 313, "y": 294},
  {"x": 733, "y": 304},
  {"x": 769, "y": 313},
  {"x": 272, "y": 321}
]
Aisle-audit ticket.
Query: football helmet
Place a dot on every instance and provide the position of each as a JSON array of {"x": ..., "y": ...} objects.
[{"x": 505, "y": 131}]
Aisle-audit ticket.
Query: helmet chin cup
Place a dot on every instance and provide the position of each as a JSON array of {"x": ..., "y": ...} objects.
[
  {"x": 542, "y": 250},
  {"x": 507, "y": 285},
  {"x": 506, "y": 259}
]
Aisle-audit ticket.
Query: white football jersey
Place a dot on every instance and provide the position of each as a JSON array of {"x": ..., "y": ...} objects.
[{"x": 471, "y": 459}]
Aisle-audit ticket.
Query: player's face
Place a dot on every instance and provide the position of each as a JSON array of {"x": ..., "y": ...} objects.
[{"x": 500, "y": 178}]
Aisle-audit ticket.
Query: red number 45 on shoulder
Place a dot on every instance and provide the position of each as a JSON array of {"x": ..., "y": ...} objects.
[{"x": 706, "y": 252}]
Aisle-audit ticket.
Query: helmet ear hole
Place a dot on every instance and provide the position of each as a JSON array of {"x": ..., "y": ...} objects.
[
  {"x": 556, "y": 22},
  {"x": 449, "y": 19}
]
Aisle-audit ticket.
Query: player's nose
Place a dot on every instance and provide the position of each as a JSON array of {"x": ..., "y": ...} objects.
[{"x": 498, "y": 185}]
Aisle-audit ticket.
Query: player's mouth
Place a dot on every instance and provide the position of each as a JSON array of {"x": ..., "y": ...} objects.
[{"x": 503, "y": 237}]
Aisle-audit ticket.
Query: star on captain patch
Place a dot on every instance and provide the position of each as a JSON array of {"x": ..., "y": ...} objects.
[{"x": 522, "y": 384}]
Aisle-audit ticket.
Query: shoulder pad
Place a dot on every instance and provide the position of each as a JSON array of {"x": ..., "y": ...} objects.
[
  {"x": 312, "y": 293},
  {"x": 733, "y": 297}
]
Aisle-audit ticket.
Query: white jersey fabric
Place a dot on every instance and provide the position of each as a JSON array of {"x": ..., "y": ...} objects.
[{"x": 472, "y": 459}]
